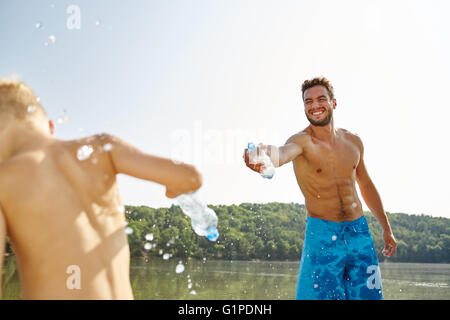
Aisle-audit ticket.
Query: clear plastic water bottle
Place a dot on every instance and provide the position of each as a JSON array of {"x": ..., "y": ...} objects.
[
  {"x": 268, "y": 169},
  {"x": 203, "y": 219}
]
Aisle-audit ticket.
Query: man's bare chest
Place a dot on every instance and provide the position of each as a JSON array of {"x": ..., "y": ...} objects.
[{"x": 338, "y": 160}]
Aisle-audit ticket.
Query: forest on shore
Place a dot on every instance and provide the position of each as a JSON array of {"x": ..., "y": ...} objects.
[{"x": 272, "y": 231}]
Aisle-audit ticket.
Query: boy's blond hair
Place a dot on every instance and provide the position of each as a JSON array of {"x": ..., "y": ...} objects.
[{"x": 18, "y": 101}]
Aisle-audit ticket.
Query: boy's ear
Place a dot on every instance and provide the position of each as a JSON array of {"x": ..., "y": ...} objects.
[{"x": 51, "y": 126}]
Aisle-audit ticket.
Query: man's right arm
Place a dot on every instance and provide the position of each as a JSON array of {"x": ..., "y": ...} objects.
[
  {"x": 177, "y": 177},
  {"x": 285, "y": 154},
  {"x": 280, "y": 155}
]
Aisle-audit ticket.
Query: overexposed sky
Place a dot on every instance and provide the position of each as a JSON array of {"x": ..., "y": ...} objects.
[{"x": 196, "y": 80}]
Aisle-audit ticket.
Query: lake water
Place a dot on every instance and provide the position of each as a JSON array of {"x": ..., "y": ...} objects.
[{"x": 248, "y": 280}]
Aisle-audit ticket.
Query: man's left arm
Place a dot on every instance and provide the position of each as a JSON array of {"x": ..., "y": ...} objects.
[{"x": 373, "y": 200}]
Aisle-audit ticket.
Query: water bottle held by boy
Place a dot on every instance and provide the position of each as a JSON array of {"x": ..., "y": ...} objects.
[
  {"x": 268, "y": 169},
  {"x": 203, "y": 219}
]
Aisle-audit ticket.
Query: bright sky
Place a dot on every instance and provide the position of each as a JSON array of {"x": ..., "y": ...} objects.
[{"x": 196, "y": 80}]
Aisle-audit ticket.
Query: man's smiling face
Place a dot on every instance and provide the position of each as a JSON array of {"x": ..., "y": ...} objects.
[{"x": 318, "y": 105}]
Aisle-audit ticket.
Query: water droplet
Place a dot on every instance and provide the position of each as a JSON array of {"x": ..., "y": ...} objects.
[
  {"x": 84, "y": 152},
  {"x": 318, "y": 196},
  {"x": 193, "y": 292},
  {"x": 333, "y": 238},
  {"x": 160, "y": 252},
  {"x": 107, "y": 147},
  {"x": 128, "y": 230},
  {"x": 149, "y": 236},
  {"x": 179, "y": 268},
  {"x": 147, "y": 246},
  {"x": 354, "y": 205},
  {"x": 63, "y": 118},
  {"x": 38, "y": 25},
  {"x": 166, "y": 256},
  {"x": 31, "y": 109},
  {"x": 52, "y": 38},
  {"x": 97, "y": 22}
]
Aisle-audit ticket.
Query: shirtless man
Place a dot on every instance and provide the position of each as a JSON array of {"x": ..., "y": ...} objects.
[
  {"x": 60, "y": 205},
  {"x": 338, "y": 258}
]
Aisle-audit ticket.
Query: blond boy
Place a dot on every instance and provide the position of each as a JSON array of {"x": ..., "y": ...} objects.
[{"x": 60, "y": 205}]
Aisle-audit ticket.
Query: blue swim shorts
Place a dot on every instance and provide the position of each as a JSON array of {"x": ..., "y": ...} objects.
[{"x": 339, "y": 262}]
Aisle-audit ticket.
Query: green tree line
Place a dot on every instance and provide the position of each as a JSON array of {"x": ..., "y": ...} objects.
[{"x": 271, "y": 231}]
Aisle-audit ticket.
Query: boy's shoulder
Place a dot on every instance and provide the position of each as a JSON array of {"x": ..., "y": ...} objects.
[
  {"x": 84, "y": 148},
  {"x": 91, "y": 149}
]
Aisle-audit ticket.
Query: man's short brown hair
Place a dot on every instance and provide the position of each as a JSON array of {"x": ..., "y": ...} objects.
[{"x": 320, "y": 81}]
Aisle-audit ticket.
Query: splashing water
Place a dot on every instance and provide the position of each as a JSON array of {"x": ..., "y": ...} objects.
[
  {"x": 97, "y": 22},
  {"x": 84, "y": 152},
  {"x": 179, "y": 268},
  {"x": 107, "y": 147},
  {"x": 128, "y": 230},
  {"x": 166, "y": 256},
  {"x": 38, "y": 25},
  {"x": 51, "y": 38},
  {"x": 31, "y": 109},
  {"x": 63, "y": 118},
  {"x": 147, "y": 246},
  {"x": 149, "y": 236}
]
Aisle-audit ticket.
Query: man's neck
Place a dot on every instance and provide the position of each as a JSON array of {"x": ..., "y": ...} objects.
[{"x": 325, "y": 133}]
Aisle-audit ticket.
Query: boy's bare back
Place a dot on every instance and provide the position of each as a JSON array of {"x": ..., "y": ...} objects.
[{"x": 61, "y": 210}]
